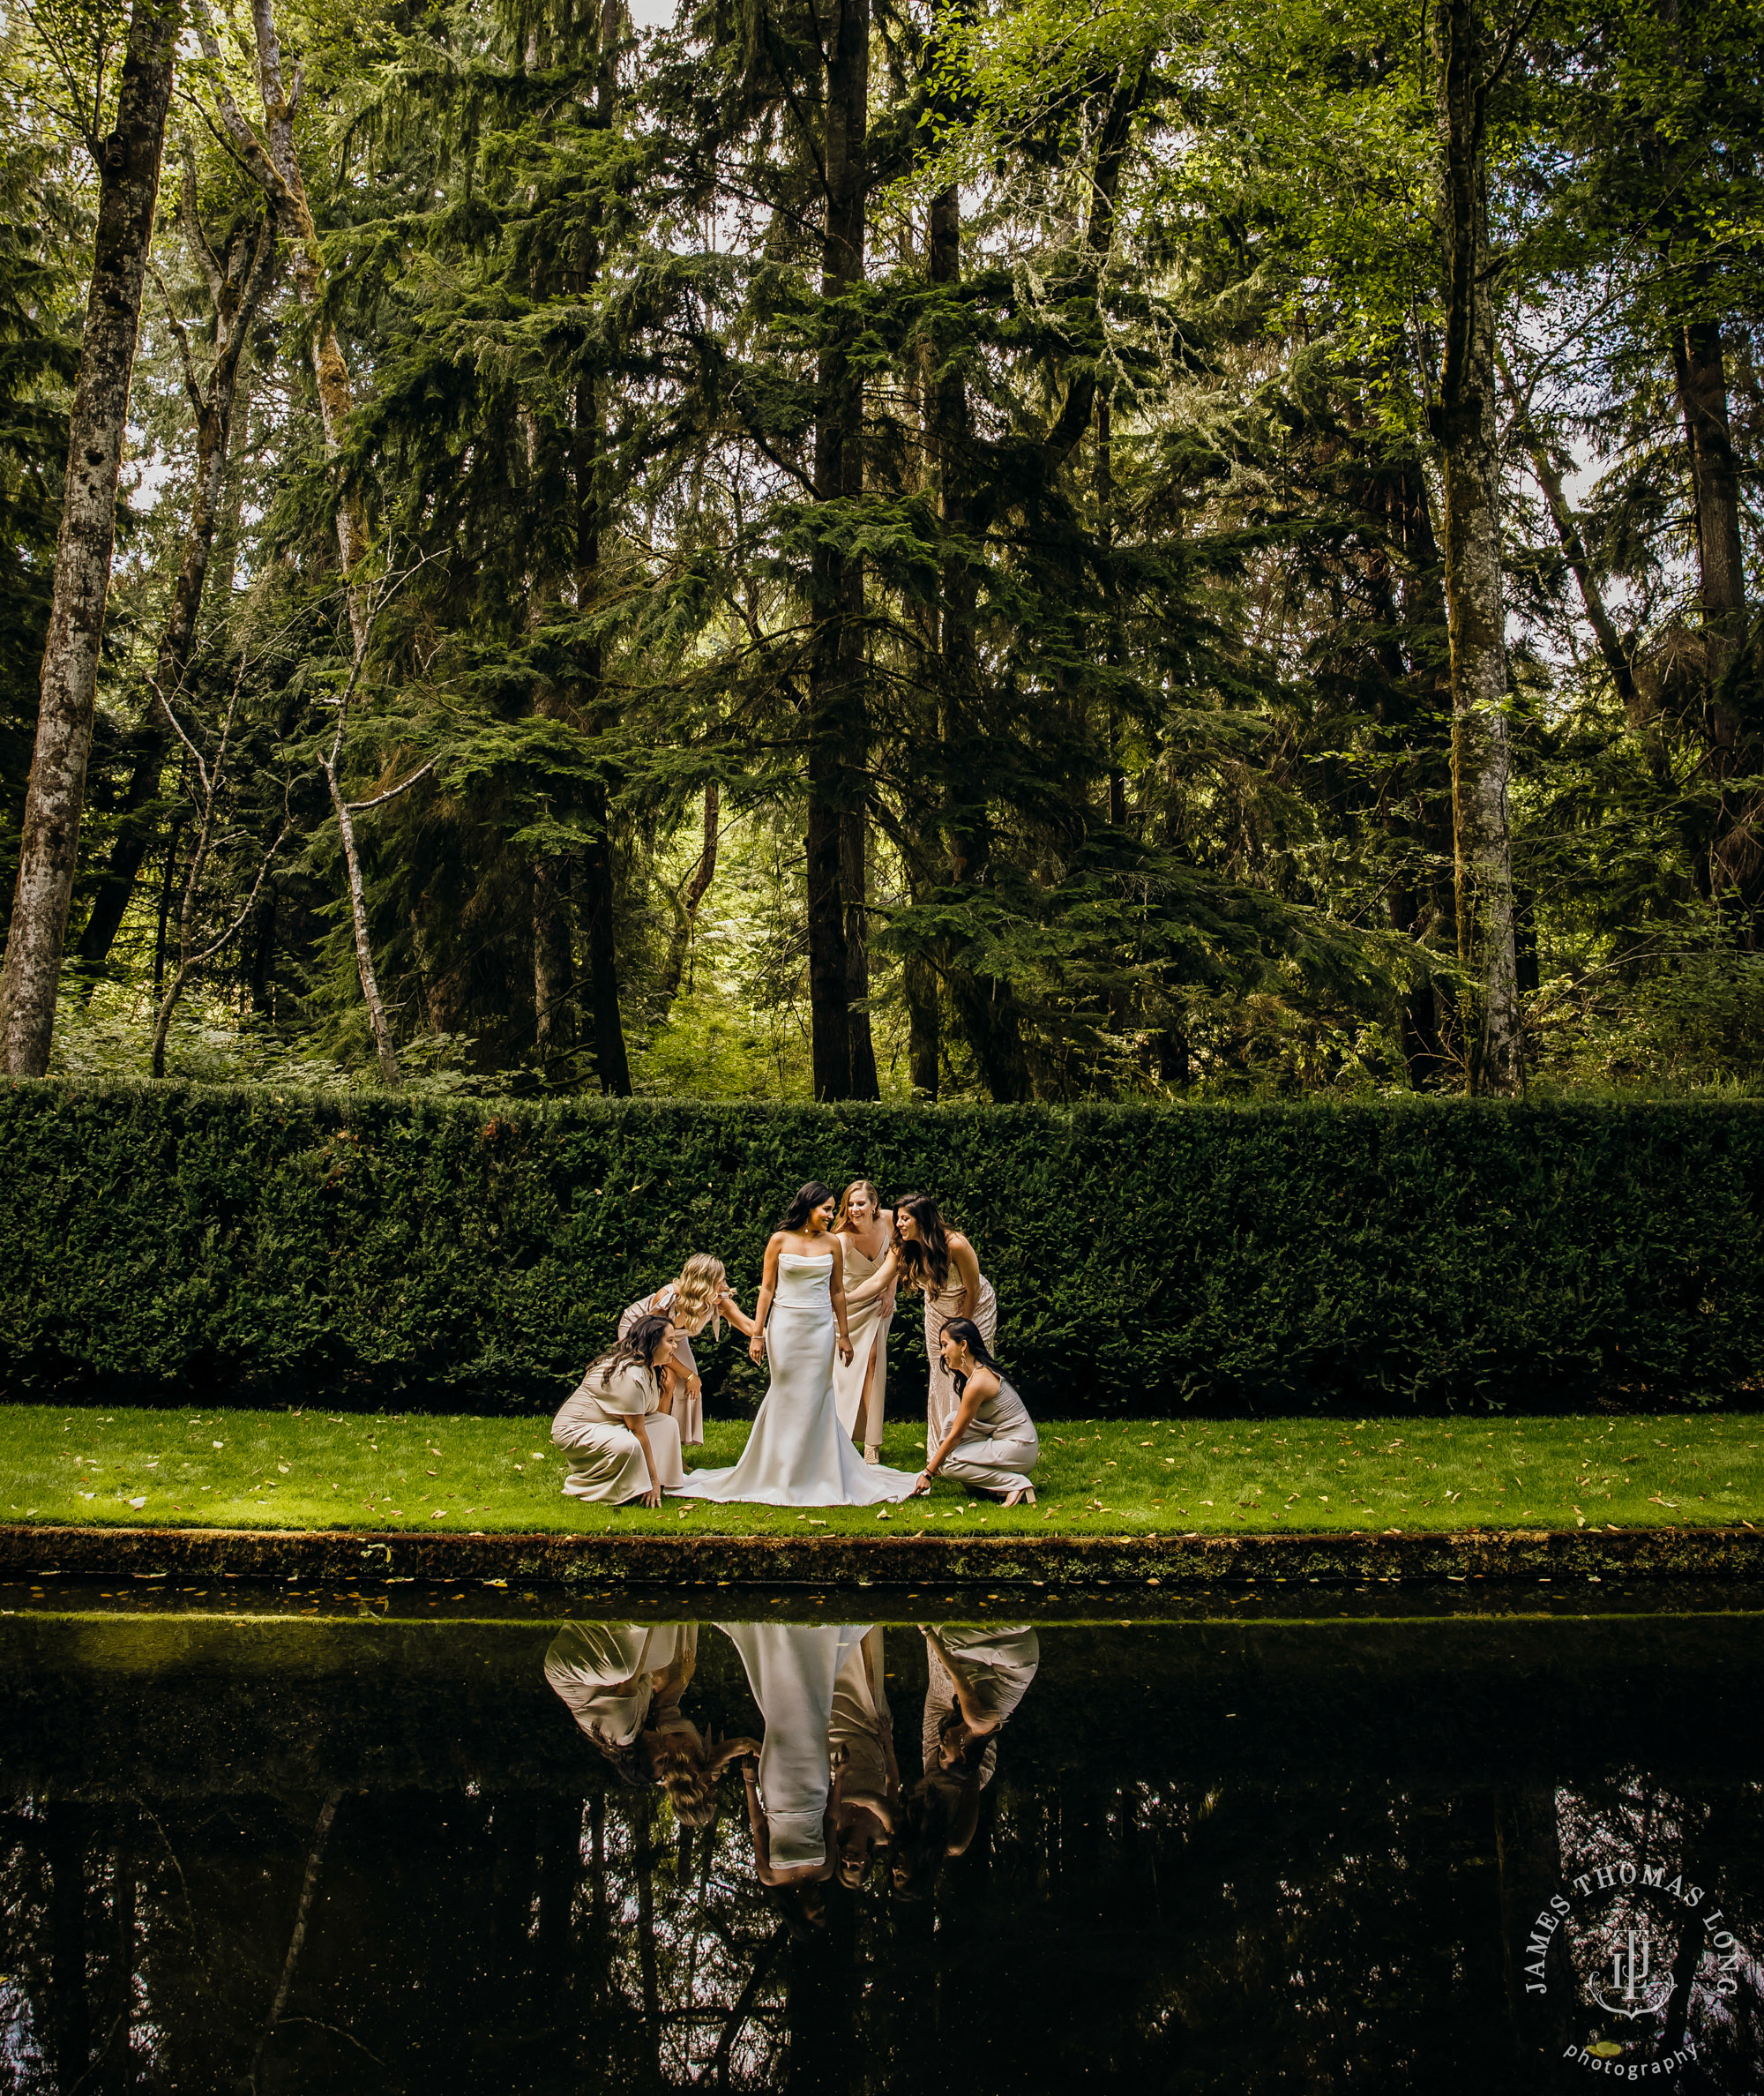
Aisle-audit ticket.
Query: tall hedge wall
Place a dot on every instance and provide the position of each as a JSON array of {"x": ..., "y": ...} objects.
[{"x": 167, "y": 1243}]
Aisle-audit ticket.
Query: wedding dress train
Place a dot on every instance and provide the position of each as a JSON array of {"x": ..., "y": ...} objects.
[{"x": 797, "y": 1454}]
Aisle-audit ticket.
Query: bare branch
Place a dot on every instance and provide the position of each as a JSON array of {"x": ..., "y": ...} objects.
[
  {"x": 379, "y": 800},
  {"x": 180, "y": 334},
  {"x": 190, "y": 216}
]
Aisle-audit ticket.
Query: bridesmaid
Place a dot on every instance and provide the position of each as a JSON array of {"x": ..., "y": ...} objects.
[
  {"x": 622, "y": 1446},
  {"x": 622, "y": 1683},
  {"x": 866, "y": 1778},
  {"x": 941, "y": 1263},
  {"x": 991, "y": 1445},
  {"x": 700, "y": 1295},
  {"x": 860, "y": 1389}
]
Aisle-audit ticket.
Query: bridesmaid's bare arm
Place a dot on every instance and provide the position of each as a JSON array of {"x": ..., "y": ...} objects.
[
  {"x": 967, "y": 1266},
  {"x": 837, "y": 1285},
  {"x": 768, "y": 1288},
  {"x": 732, "y": 1310},
  {"x": 878, "y": 1282}
]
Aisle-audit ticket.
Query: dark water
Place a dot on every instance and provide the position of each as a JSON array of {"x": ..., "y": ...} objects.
[{"x": 367, "y": 1840}]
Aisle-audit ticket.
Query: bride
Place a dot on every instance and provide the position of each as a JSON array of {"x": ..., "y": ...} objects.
[{"x": 797, "y": 1454}]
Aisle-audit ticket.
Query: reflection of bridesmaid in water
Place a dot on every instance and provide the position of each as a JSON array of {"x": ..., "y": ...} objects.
[
  {"x": 977, "y": 1676},
  {"x": 866, "y": 1778},
  {"x": 623, "y": 1683}
]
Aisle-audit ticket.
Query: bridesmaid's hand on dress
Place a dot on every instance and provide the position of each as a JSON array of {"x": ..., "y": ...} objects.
[
  {"x": 756, "y": 1348},
  {"x": 846, "y": 1350}
]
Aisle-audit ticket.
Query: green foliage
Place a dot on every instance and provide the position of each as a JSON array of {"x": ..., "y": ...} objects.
[{"x": 255, "y": 1244}]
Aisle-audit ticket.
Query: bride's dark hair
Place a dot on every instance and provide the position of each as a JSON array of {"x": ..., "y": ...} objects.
[
  {"x": 804, "y": 1204},
  {"x": 966, "y": 1333},
  {"x": 925, "y": 1259}
]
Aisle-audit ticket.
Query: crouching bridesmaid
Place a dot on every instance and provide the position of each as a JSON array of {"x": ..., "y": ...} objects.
[
  {"x": 621, "y": 1446},
  {"x": 990, "y": 1444}
]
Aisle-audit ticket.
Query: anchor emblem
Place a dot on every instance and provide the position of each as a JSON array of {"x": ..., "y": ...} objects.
[{"x": 1630, "y": 1992}]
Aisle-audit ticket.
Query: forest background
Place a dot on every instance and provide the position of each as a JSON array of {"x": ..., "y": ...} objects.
[{"x": 830, "y": 548}]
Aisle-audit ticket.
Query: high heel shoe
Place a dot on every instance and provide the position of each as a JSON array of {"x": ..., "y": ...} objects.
[
  {"x": 1025, "y": 1497},
  {"x": 872, "y": 1455}
]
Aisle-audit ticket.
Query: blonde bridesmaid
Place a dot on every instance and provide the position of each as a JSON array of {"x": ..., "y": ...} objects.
[
  {"x": 860, "y": 1389},
  {"x": 941, "y": 1263},
  {"x": 701, "y": 1296}
]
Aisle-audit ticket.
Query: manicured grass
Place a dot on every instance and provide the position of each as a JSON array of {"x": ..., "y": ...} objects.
[{"x": 223, "y": 1469}]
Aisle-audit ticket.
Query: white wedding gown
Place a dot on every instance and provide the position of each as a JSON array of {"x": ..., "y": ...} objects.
[
  {"x": 791, "y": 1669},
  {"x": 797, "y": 1454}
]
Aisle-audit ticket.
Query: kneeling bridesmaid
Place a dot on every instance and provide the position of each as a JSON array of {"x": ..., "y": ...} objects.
[
  {"x": 989, "y": 1444},
  {"x": 621, "y": 1446}
]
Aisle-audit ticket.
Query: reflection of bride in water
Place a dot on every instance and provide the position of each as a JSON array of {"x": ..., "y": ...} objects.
[
  {"x": 822, "y": 1786},
  {"x": 623, "y": 1683}
]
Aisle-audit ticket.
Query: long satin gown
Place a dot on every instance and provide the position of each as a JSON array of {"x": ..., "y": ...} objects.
[
  {"x": 868, "y": 1326},
  {"x": 940, "y": 1398},
  {"x": 791, "y": 1669},
  {"x": 797, "y": 1454}
]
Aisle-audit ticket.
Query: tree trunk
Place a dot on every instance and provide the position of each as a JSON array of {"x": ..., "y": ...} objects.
[
  {"x": 597, "y": 886},
  {"x": 1467, "y": 425},
  {"x": 1699, "y": 365},
  {"x": 836, "y": 722},
  {"x": 384, "y": 1053},
  {"x": 553, "y": 970},
  {"x": 1735, "y": 849},
  {"x": 274, "y": 161},
  {"x": 924, "y": 1025},
  {"x": 64, "y": 1837},
  {"x": 692, "y": 892},
  {"x": 236, "y": 288},
  {"x": 129, "y": 180},
  {"x": 597, "y": 926},
  {"x": 855, "y": 884},
  {"x": 984, "y": 1006}
]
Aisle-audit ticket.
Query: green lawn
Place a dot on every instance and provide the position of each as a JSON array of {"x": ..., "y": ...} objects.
[{"x": 318, "y": 1470}]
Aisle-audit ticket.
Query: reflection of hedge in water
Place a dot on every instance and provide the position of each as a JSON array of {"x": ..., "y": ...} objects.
[
  {"x": 1224, "y": 1936},
  {"x": 170, "y": 1240},
  {"x": 180, "y": 1708}
]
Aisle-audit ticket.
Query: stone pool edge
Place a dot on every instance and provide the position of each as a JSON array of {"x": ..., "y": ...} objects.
[{"x": 566, "y": 1560}]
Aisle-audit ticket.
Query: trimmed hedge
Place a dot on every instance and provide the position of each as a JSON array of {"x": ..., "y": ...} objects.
[{"x": 164, "y": 1243}]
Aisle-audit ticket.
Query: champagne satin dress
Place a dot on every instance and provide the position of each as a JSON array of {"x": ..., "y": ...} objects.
[
  {"x": 606, "y": 1457},
  {"x": 868, "y": 1325},
  {"x": 940, "y": 1399}
]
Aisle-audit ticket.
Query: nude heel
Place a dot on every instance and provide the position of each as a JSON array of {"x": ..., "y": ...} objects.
[{"x": 1025, "y": 1498}]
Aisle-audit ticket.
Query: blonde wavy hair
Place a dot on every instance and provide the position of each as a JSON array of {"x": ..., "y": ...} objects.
[
  {"x": 702, "y": 1280},
  {"x": 842, "y": 1220},
  {"x": 690, "y": 1785}
]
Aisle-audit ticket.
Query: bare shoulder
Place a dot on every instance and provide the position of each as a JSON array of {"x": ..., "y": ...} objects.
[{"x": 957, "y": 1241}]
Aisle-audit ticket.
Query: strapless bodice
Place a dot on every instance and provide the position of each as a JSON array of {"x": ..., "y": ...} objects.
[{"x": 804, "y": 1281}]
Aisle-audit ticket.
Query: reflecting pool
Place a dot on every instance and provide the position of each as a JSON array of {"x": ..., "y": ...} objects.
[{"x": 375, "y": 1839}]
